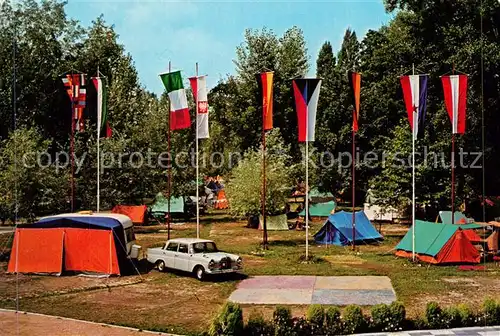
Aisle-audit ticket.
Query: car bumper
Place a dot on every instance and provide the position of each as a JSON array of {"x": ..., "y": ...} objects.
[{"x": 223, "y": 271}]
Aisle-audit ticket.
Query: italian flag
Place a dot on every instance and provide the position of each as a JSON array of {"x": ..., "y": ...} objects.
[
  {"x": 102, "y": 107},
  {"x": 179, "y": 111}
]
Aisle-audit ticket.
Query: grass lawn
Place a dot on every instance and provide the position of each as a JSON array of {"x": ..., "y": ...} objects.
[{"x": 178, "y": 303}]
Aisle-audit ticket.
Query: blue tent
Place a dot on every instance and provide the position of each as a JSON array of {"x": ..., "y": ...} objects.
[{"x": 337, "y": 229}]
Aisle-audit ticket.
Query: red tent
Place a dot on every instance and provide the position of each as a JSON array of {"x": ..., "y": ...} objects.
[
  {"x": 137, "y": 213},
  {"x": 73, "y": 242}
]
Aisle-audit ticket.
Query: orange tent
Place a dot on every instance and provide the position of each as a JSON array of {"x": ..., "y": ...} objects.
[
  {"x": 493, "y": 241},
  {"x": 137, "y": 213},
  {"x": 472, "y": 236},
  {"x": 81, "y": 243},
  {"x": 221, "y": 201}
]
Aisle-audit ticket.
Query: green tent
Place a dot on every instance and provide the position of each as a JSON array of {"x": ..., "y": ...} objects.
[
  {"x": 160, "y": 206},
  {"x": 316, "y": 196},
  {"x": 320, "y": 209},
  {"x": 274, "y": 223},
  {"x": 445, "y": 217},
  {"x": 438, "y": 244}
]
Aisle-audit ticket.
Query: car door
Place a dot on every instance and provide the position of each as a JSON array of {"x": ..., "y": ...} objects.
[
  {"x": 169, "y": 254},
  {"x": 181, "y": 260}
]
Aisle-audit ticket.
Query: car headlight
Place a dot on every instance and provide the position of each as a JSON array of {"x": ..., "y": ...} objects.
[
  {"x": 239, "y": 261},
  {"x": 211, "y": 264}
]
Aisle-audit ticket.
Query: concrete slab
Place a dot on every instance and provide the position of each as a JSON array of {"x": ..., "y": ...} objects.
[
  {"x": 342, "y": 297},
  {"x": 274, "y": 296},
  {"x": 278, "y": 282},
  {"x": 354, "y": 282}
]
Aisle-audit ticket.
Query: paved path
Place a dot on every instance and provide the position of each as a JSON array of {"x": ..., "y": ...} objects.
[
  {"x": 475, "y": 331},
  {"x": 28, "y": 324},
  {"x": 304, "y": 290}
]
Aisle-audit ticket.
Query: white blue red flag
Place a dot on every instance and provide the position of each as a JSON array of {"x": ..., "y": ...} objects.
[
  {"x": 455, "y": 98},
  {"x": 415, "y": 96},
  {"x": 306, "y": 92}
]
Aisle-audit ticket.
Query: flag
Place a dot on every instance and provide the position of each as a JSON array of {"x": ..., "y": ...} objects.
[
  {"x": 306, "y": 91},
  {"x": 415, "y": 97},
  {"x": 265, "y": 82},
  {"x": 199, "y": 88},
  {"x": 355, "y": 84},
  {"x": 102, "y": 107},
  {"x": 75, "y": 87},
  {"x": 179, "y": 111},
  {"x": 455, "y": 98}
]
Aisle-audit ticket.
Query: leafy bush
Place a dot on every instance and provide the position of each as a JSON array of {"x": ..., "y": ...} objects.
[
  {"x": 354, "y": 320},
  {"x": 301, "y": 327},
  {"x": 466, "y": 315},
  {"x": 398, "y": 313},
  {"x": 434, "y": 316},
  {"x": 229, "y": 322},
  {"x": 333, "y": 322},
  {"x": 452, "y": 317},
  {"x": 257, "y": 326},
  {"x": 316, "y": 315},
  {"x": 282, "y": 320},
  {"x": 491, "y": 312}
]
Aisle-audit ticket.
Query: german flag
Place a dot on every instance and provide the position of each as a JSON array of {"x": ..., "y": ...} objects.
[
  {"x": 265, "y": 81},
  {"x": 355, "y": 84}
]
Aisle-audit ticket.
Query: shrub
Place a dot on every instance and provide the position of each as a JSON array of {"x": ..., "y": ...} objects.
[
  {"x": 257, "y": 326},
  {"x": 388, "y": 317},
  {"x": 316, "y": 315},
  {"x": 434, "y": 316},
  {"x": 229, "y": 322},
  {"x": 354, "y": 320},
  {"x": 301, "y": 327},
  {"x": 282, "y": 320},
  {"x": 333, "y": 322},
  {"x": 452, "y": 318},
  {"x": 466, "y": 315},
  {"x": 491, "y": 312},
  {"x": 398, "y": 313}
]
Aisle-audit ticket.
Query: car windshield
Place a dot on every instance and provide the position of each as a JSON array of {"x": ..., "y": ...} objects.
[{"x": 204, "y": 247}]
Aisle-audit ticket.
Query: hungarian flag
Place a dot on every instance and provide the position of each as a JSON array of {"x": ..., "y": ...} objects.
[
  {"x": 306, "y": 91},
  {"x": 102, "y": 107},
  {"x": 75, "y": 87},
  {"x": 415, "y": 96},
  {"x": 179, "y": 111},
  {"x": 265, "y": 82},
  {"x": 455, "y": 98},
  {"x": 355, "y": 84},
  {"x": 199, "y": 88}
]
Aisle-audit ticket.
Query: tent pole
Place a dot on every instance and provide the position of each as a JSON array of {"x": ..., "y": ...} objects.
[
  {"x": 353, "y": 189},
  {"x": 169, "y": 187},
  {"x": 197, "y": 163},
  {"x": 72, "y": 149}
]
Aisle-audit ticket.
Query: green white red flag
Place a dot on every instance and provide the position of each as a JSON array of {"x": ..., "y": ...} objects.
[
  {"x": 179, "y": 111},
  {"x": 103, "y": 129}
]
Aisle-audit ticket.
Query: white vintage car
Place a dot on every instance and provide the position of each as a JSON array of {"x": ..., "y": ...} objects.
[{"x": 198, "y": 256}]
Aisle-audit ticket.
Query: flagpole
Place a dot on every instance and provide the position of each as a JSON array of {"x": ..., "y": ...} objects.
[
  {"x": 307, "y": 177},
  {"x": 197, "y": 160},
  {"x": 169, "y": 163},
  {"x": 453, "y": 170},
  {"x": 413, "y": 172},
  {"x": 99, "y": 121},
  {"x": 264, "y": 219},
  {"x": 353, "y": 189},
  {"x": 72, "y": 148}
]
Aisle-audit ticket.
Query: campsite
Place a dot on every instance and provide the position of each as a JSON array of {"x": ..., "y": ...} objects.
[{"x": 254, "y": 168}]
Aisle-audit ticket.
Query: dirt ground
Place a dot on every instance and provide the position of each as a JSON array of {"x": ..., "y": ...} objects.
[{"x": 30, "y": 324}]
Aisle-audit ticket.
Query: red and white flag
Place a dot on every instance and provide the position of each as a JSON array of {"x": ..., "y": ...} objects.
[
  {"x": 199, "y": 88},
  {"x": 455, "y": 98},
  {"x": 306, "y": 91}
]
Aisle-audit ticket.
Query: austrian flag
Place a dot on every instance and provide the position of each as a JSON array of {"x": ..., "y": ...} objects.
[
  {"x": 199, "y": 88},
  {"x": 455, "y": 98},
  {"x": 306, "y": 91},
  {"x": 415, "y": 96},
  {"x": 179, "y": 111}
]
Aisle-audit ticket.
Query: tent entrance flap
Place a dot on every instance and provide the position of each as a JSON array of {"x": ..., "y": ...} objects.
[{"x": 37, "y": 251}]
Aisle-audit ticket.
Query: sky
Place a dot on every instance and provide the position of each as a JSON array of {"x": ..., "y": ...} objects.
[{"x": 184, "y": 32}]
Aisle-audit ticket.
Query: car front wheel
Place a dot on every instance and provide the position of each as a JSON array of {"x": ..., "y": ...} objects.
[
  {"x": 161, "y": 266},
  {"x": 199, "y": 273}
]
